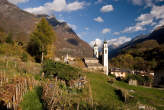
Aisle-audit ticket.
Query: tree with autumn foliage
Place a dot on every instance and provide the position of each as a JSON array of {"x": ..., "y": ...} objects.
[{"x": 41, "y": 39}]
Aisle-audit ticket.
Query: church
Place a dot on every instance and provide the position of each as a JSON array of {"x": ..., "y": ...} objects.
[{"x": 96, "y": 63}]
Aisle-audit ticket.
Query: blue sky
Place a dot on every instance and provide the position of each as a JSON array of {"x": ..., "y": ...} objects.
[{"x": 116, "y": 21}]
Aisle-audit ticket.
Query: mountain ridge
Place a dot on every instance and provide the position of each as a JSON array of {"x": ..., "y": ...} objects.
[
  {"x": 21, "y": 24},
  {"x": 157, "y": 35}
]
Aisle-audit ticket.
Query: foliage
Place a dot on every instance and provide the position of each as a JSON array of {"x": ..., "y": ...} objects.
[
  {"x": 143, "y": 56},
  {"x": 40, "y": 39},
  {"x": 123, "y": 61},
  {"x": 62, "y": 71},
  {"x": 32, "y": 100},
  {"x": 24, "y": 57},
  {"x": 142, "y": 80}
]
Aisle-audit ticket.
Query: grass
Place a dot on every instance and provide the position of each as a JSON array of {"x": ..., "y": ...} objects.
[
  {"x": 13, "y": 65},
  {"x": 105, "y": 95},
  {"x": 149, "y": 96},
  {"x": 32, "y": 100}
]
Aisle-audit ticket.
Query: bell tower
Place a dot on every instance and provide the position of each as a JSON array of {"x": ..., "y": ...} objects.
[
  {"x": 105, "y": 57},
  {"x": 95, "y": 51}
]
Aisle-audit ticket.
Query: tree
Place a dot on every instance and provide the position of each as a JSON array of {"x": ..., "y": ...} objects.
[
  {"x": 42, "y": 36},
  {"x": 9, "y": 39},
  {"x": 139, "y": 63}
]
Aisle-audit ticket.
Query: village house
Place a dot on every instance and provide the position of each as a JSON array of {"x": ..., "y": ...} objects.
[{"x": 119, "y": 73}]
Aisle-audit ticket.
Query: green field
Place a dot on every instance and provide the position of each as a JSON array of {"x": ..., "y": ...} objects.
[{"x": 104, "y": 93}]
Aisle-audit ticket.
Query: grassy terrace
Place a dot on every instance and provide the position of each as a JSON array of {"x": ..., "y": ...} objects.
[
  {"x": 150, "y": 96},
  {"x": 104, "y": 93}
]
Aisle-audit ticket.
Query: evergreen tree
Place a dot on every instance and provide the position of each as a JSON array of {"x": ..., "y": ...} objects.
[{"x": 42, "y": 36}]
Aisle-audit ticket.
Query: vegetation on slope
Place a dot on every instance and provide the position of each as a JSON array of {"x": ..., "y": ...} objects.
[
  {"x": 103, "y": 93},
  {"x": 106, "y": 94},
  {"x": 32, "y": 100},
  {"x": 60, "y": 70},
  {"x": 143, "y": 56},
  {"x": 41, "y": 38}
]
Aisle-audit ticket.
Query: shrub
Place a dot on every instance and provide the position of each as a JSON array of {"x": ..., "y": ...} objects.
[
  {"x": 142, "y": 80},
  {"x": 62, "y": 71},
  {"x": 24, "y": 57}
]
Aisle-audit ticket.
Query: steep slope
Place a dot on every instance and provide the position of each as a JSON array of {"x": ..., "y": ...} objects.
[
  {"x": 68, "y": 41},
  {"x": 21, "y": 24},
  {"x": 16, "y": 21},
  {"x": 142, "y": 53},
  {"x": 157, "y": 35}
]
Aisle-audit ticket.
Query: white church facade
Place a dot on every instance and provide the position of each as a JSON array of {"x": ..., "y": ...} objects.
[{"x": 94, "y": 63}]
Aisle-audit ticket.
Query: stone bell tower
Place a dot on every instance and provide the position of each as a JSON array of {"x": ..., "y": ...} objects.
[
  {"x": 105, "y": 57},
  {"x": 96, "y": 51}
]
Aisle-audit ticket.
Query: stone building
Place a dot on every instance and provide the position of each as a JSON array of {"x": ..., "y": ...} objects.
[{"x": 94, "y": 63}]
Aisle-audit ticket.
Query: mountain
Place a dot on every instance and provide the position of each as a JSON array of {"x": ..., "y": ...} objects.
[
  {"x": 157, "y": 35},
  {"x": 144, "y": 52},
  {"x": 21, "y": 24},
  {"x": 16, "y": 21},
  {"x": 68, "y": 41}
]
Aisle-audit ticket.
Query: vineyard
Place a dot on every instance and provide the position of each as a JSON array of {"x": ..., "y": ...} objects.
[{"x": 13, "y": 89}]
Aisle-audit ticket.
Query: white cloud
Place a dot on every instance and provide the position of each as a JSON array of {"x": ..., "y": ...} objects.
[
  {"x": 133, "y": 29},
  {"x": 79, "y": 35},
  {"x": 74, "y": 27},
  {"x": 106, "y": 30},
  {"x": 116, "y": 33},
  {"x": 148, "y": 3},
  {"x": 107, "y": 8},
  {"x": 161, "y": 23},
  {"x": 98, "y": 1},
  {"x": 58, "y": 6},
  {"x": 154, "y": 18},
  {"x": 98, "y": 19},
  {"x": 86, "y": 28},
  {"x": 98, "y": 41},
  {"x": 137, "y": 2},
  {"x": 75, "y": 6},
  {"x": 18, "y": 1},
  {"x": 117, "y": 41}
]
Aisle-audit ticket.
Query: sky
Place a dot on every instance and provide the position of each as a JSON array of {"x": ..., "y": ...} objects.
[{"x": 117, "y": 21}]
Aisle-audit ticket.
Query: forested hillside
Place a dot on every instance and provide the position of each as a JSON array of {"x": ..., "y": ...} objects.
[{"x": 144, "y": 53}]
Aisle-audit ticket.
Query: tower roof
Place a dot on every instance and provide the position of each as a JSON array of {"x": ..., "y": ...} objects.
[
  {"x": 105, "y": 42},
  {"x": 95, "y": 44}
]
